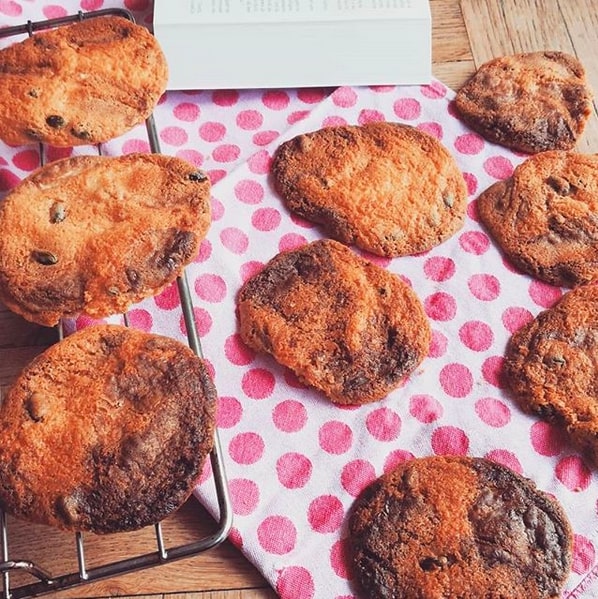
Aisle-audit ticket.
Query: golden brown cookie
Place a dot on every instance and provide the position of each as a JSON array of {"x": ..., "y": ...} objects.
[
  {"x": 83, "y": 83},
  {"x": 388, "y": 188},
  {"x": 95, "y": 234},
  {"x": 448, "y": 526},
  {"x": 545, "y": 217},
  {"x": 551, "y": 366},
  {"x": 529, "y": 102},
  {"x": 105, "y": 431},
  {"x": 344, "y": 325}
]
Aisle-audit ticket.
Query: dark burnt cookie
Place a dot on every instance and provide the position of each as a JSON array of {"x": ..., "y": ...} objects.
[
  {"x": 94, "y": 234},
  {"x": 529, "y": 102},
  {"x": 551, "y": 366},
  {"x": 106, "y": 431},
  {"x": 545, "y": 217},
  {"x": 448, "y": 526},
  {"x": 344, "y": 325}
]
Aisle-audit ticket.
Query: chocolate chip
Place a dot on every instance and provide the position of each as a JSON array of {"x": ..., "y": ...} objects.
[
  {"x": 55, "y": 121},
  {"x": 80, "y": 133},
  {"x": 44, "y": 257},
  {"x": 36, "y": 407},
  {"x": 559, "y": 184},
  {"x": 57, "y": 212},
  {"x": 33, "y": 134},
  {"x": 33, "y": 93},
  {"x": 197, "y": 176},
  {"x": 132, "y": 277}
]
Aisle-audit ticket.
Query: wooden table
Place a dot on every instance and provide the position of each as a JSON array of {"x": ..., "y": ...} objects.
[{"x": 465, "y": 34}]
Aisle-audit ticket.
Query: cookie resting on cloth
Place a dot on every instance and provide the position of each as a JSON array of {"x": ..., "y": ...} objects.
[{"x": 343, "y": 324}]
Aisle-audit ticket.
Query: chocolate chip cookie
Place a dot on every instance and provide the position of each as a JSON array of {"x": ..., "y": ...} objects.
[
  {"x": 448, "y": 526},
  {"x": 530, "y": 102},
  {"x": 93, "y": 234},
  {"x": 77, "y": 84},
  {"x": 551, "y": 366},
  {"x": 344, "y": 325},
  {"x": 545, "y": 217},
  {"x": 388, "y": 188},
  {"x": 106, "y": 431}
]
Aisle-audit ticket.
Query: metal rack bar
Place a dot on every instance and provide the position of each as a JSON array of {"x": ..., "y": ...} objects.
[{"x": 47, "y": 582}]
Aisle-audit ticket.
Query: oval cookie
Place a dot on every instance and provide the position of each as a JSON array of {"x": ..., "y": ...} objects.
[
  {"x": 458, "y": 527},
  {"x": 387, "y": 188},
  {"x": 344, "y": 325},
  {"x": 551, "y": 366},
  {"x": 529, "y": 102},
  {"x": 93, "y": 234},
  {"x": 545, "y": 217},
  {"x": 83, "y": 83},
  {"x": 106, "y": 431}
]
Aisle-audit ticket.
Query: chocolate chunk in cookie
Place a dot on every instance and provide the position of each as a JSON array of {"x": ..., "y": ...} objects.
[
  {"x": 448, "y": 526},
  {"x": 528, "y": 102},
  {"x": 388, "y": 188},
  {"x": 344, "y": 325},
  {"x": 545, "y": 217}
]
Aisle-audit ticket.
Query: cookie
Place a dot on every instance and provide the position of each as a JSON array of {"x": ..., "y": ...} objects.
[
  {"x": 545, "y": 217},
  {"x": 93, "y": 234},
  {"x": 454, "y": 526},
  {"x": 387, "y": 188},
  {"x": 83, "y": 83},
  {"x": 551, "y": 367},
  {"x": 106, "y": 431},
  {"x": 529, "y": 102},
  {"x": 344, "y": 325}
]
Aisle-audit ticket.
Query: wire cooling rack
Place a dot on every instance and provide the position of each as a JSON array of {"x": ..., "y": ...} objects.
[{"x": 41, "y": 579}]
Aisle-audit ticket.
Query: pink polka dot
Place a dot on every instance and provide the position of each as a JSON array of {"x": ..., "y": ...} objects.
[
  {"x": 235, "y": 240},
  {"x": 212, "y": 131},
  {"x": 382, "y": 89},
  {"x": 225, "y": 97},
  {"x": 339, "y": 558},
  {"x": 334, "y": 121},
  {"x": 276, "y": 99},
  {"x": 137, "y": 4},
  {"x": 206, "y": 472},
  {"x": 407, "y": 109},
  {"x": 8, "y": 180},
  {"x": 229, "y": 412},
  {"x": 344, "y": 97},
  {"x": 434, "y": 90},
  {"x": 584, "y": 554},
  {"x": 258, "y": 383},
  {"x": 291, "y": 241},
  {"x": 169, "y": 299},
  {"x": 474, "y": 242},
  {"x": 249, "y": 192},
  {"x": 141, "y": 319},
  {"x": 311, "y": 95},
  {"x": 27, "y": 160},
  {"x": 472, "y": 186},
  {"x": 217, "y": 209},
  {"x": 296, "y": 116},
  {"x": 370, "y": 116},
  {"x": 211, "y": 288},
  {"x": 450, "y": 440},
  {"x": 192, "y": 156},
  {"x": 215, "y": 176},
  {"x": 263, "y": 138},
  {"x": 53, "y": 153},
  {"x": 425, "y": 408},
  {"x": 293, "y": 470},
  {"x": 250, "y": 269},
  {"x": 395, "y": 458},
  {"x": 202, "y": 319},
  {"x": 505, "y": 458},
  {"x": 245, "y": 496},
  {"x": 469, "y": 143},
  {"x": 493, "y": 412},
  {"x": 250, "y": 119},
  {"x": 295, "y": 582},
  {"x": 476, "y": 335},
  {"x": 439, "y": 268},
  {"x": 277, "y": 535},
  {"x": 186, "y": 111},
  {"x": 438, "y": 345},
  {"x": 383, "y": 424},
  {"x": 246, "y": 448},
  {"x": 544, "y": 295},
  {"x": 492, "y": 370},
  {"x": 440, "y": 306},
  {"x": 292, "y": 380},
  {"x": 175, "y": 136},
  {"x": 325, "y": 514},
  {"x": 433, "y": 129},
  {"x": 484, "y": 287},
  {"x": 498, "y": 167},
  {"x": 547, "y": 439},
  {"x": 289, "y": 416},
  {"x": 10, "y": 8},
  {"x": 456, "y": 380},
  {"x": 226, "y": 153},
  {"x": 259, "y": 163},
  {"x": 235, "y": 537},
  {"x": 335, "y": 437},
  {"x": 573, "y": 473},
  {"x": 514, "y": 318},
  {"x": 266, "y": 219},
  {"x": 237, "y": 352},
  {"x": 91, "y": 4},
  {"x": 205, "y": 251},
  {"x": 356, "y": 475},
  {"x": 54, "y": 12},
  {"x": 132, "y": 146}
]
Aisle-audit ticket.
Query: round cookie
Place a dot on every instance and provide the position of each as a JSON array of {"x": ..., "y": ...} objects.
[
  {"x": 344, "y": 325},
  {"x": 529, "y": 102},
  {"x": 106, "y": 431},
  {"x": 83, "y": 83},
  {"x": 545, "y": 217},
  {"x": 551, "y": 366},
  {"x": 388, "y": 188},
  {"x": 449, "y": 526},
  {"x": 95, "y": 234}
]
